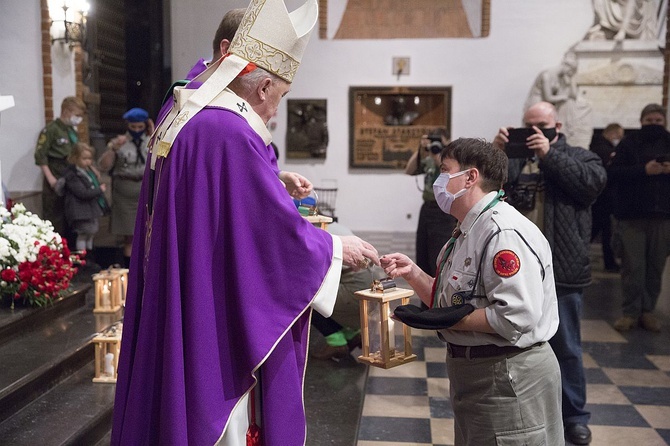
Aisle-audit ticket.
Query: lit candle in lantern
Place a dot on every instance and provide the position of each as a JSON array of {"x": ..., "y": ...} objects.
[
  {"x": 391, "y": 333},
  {"x": 106, "y": 302}
]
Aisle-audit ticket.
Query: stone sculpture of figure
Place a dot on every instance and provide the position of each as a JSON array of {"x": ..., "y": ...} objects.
[
  {"x": 558, "y": 86},
  {"x": 626, "y": 19}
]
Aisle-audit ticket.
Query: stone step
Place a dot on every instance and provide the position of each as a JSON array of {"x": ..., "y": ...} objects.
[
  {"x": 75, "y": 412},
  {"x": 45, "y": 354},
  {"x": 13, "y": 322}
]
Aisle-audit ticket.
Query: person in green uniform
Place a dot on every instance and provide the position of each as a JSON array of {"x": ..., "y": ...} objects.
[
  {"x": 53, "y": 147},
  {"x": 435, "y": 227}
]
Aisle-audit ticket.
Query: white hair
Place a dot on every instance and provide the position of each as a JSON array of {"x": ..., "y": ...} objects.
[{"x": 247, "y": 84}]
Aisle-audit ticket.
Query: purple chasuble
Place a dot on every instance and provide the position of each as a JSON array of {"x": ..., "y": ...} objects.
[{"x": 220, "y": 284}]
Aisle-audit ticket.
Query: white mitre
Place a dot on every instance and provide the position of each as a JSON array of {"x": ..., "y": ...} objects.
[
  {"x": 269, "y": 37},
  {"x": 274, "y": 39}
]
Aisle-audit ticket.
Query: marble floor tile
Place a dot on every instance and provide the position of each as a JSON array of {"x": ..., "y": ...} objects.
[
  {"x": 625, "y": 436},
  {"x": 600, "y": 331},
  {"x": 615, "y": 415},
  {"x": 440, "y": 407},
  {"x": 403, "y": 406},
  {"x": 438, "y": 387},
  {"x": 396, "y": 386},
  {"x": 657, "y": 416},
  {"x": 442, "y": 431},
  {"x": 588, "y": 361},
  {"x": 637, "y": 377},
  {"x": 395, "y": 429},
  {"x": 605, "y": 394},
  {"x": 435, "y": 354},
  {"x": 662, "y": 362},
  {"x": 650, "y": 396}
]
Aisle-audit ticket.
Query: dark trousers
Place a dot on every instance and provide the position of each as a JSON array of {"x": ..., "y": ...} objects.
[
  {"x": 53, "y": 206},
  {"x": 326, "y": 326},
  {"x": 567, "y": 346},
  {"x": 433, "y": 232},
  {"x": 645, "y": 246},
  {"x": 602, "y": 224}
]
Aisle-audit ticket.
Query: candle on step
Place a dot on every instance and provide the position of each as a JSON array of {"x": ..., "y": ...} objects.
[
  {"x": 106, "y": 302},
  {"x": 109, "y": 366}
]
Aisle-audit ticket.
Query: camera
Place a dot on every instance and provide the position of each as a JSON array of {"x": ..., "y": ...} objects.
[
  {"x": 516, "y": 147},
  {"x": 521, "y": 196},
  {"x": 435, "y": 145}
]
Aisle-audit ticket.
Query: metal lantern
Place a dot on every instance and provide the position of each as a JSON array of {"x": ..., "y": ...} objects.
[
  {"x": 107, "y": 349},
  {"x": 378, "y": 329},
  {"x": 107, "y": 292}
]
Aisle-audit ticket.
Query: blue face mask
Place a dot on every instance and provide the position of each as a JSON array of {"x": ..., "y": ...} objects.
[
  {"x": 136, "y": 135},
  {"x": 444, "y": 198}
]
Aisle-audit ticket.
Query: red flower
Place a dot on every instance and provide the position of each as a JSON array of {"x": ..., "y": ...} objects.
[{"x": 8, "y": 275}]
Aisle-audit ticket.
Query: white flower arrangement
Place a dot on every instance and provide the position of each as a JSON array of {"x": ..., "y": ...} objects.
[{"x": 35, "y": 262}]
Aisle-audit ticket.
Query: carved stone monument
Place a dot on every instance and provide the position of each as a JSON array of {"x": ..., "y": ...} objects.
[
  {"x": 558, "y": 86},
  {"x": 612, "y": 73},
  {"x": 620, "y": 60}
]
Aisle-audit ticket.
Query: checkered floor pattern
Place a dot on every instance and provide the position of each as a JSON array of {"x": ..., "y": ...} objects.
[{"x": 628, "y": 379}]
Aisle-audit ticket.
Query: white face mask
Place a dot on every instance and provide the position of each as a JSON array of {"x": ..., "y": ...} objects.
[
  {"x": 444, "y": 198},
  {"x": 76, "y": 120}
]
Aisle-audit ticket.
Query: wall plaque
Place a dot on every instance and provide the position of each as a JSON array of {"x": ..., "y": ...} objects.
[{"x": 386, "y": 123}]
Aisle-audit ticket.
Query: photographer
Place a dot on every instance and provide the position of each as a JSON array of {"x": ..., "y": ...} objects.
[
  {"x": 640, "y": 176},
  {"x": 569, "y": 179},
  {"x": 435, "y": 227}
]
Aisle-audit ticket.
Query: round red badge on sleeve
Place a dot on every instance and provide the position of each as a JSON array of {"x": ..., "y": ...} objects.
[{"x": 506, "y": 263}]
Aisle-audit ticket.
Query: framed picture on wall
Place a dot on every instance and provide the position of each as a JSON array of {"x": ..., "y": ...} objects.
[
  {"x": 386, "y": 123},
  {"x": 307, "y": 129}
]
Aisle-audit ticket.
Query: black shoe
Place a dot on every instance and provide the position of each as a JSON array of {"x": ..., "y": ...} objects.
[
  {"x": 354, "y": 342},
  {"x": 578, "y": 433}
]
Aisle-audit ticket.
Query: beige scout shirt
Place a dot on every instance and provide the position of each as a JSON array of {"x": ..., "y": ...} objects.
[{"x": 515, "y": 282}]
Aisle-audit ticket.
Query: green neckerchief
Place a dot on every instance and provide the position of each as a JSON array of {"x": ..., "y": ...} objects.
[
  {"x": 450, "y": 247},
  {"x": 96, "y": 183},
  {"x": 72, "y": 134}
]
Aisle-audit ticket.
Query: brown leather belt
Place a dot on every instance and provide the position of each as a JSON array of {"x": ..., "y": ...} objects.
[{"x": 484, "y": 351}]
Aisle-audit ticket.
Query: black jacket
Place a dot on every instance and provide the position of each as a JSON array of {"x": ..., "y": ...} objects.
[
  {"x": 81, "y": 196},
  {"x": 573, "y": 178},
  {"x": 636, "y": 194}
]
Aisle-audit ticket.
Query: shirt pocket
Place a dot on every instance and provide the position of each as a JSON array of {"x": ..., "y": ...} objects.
[{"x": 460, "y": 290}]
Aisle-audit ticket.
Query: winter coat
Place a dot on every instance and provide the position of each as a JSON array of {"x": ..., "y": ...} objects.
[
  {"x": 573, "y": 178},
  {"x": 81, "y": 196},
  {"x": 636, "y": 194}
]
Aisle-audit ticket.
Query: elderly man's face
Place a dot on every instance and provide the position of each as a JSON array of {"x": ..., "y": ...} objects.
[{"x": 274, "y": 94}]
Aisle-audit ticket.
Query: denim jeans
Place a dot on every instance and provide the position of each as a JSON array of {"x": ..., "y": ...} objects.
[{"x": 567, "y": 345}]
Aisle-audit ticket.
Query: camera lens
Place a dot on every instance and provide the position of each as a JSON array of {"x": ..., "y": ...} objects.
[{"x": 435, "y": 147}]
